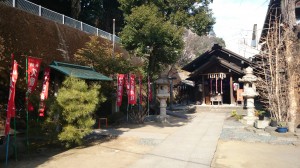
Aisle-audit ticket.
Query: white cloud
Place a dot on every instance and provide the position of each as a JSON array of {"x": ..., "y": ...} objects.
[{"x": 235, "y": 20}]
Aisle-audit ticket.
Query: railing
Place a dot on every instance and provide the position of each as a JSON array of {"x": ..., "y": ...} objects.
[{"x": 59, "y": 18}]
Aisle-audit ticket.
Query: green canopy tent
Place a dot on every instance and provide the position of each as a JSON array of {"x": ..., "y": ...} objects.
[{"x": 78, "y": 71}]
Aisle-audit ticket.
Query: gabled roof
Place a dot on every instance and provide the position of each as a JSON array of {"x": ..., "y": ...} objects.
[
  {"x": 78, "y": 71},
  {"x": 203, "y": 60},
  {"x": 213, "y": 61}
]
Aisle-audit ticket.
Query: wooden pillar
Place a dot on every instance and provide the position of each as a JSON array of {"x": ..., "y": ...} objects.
[
  {"x": 203, "y": 93},
  {"x": 232, "y": 101}
]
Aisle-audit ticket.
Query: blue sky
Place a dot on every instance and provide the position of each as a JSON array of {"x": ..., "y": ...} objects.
[{"x": 235, "y": 20}]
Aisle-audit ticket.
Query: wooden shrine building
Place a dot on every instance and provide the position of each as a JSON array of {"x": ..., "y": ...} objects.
[{"x": 216, "y": 74}]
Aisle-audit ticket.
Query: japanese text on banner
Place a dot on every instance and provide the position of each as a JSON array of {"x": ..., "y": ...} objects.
[
  {"x": 120, "y": 89},
  {"x": 44, "y": 93},
  {"x": 33, "y": 72},
  {"x": 132, "y": 97}
]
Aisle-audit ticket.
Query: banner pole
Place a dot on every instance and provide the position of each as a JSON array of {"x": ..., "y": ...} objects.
[
  {"x": 139, "y": 95},
  {"x": 7, "y": 147},
  {"x": 15, "y": 138},
  {"x": 148, "y": 95},
  {"x": 26, "y": 102}
]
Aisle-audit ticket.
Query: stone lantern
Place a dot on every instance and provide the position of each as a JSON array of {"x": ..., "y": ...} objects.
[
  {"x": 163, "y": 94},
  {"x": 249, "y": 93}
]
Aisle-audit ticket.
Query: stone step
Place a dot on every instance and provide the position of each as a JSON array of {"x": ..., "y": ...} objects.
[{"x": 221, "y": 108}]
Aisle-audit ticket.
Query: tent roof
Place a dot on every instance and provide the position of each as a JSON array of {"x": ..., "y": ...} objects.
[{"x": 78, "y": 71}]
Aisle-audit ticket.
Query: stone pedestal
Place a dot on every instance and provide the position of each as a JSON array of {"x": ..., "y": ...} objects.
[
  {"x": 249, "y": 93},
  {"x": 250, "y": 105},
  {"x": 162, "y": 95},
  {"x": 249, "y": 120},
  {"x": 261, "y": 124},
  {"x": 163, "y": 111}
]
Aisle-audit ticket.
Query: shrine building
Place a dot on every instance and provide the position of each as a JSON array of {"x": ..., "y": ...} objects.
[{"x": 215, "y": 74}]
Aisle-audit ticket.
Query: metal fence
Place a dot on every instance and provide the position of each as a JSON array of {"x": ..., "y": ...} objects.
[{"x": 59, "y": 18}]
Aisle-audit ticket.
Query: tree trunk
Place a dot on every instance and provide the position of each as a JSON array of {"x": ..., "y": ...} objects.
[
  {"x": 75, "y": 8},
  {"x": 292, "y": 80},
  {"x": 291, "y": 59},
  {"x": 288, "y": 11}
]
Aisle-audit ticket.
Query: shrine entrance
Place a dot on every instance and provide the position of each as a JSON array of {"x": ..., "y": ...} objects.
[
  {"x": 215, "y": 89},
  {"x": 215, "y": 74}
]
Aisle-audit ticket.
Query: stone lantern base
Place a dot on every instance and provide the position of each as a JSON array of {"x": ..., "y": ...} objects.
[
  {"x": 249, "y": 120},
  {"x": 162, "y": 119},
  {"x": 162, "y": 95}
]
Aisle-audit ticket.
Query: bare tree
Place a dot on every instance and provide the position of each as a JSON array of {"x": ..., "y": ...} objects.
[
  {"x": 270, "y": 68},
  {"x": 277, "y": 67}
]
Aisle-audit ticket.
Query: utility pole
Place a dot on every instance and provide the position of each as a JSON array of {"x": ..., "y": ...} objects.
[
  {"x": 113, "y": 38},
  {"x": 253, "y": 42},
  {"x": 113, "y": 55}
]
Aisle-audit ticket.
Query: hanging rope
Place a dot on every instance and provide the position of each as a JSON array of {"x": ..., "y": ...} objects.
[
  {"x": 216, "y": 76},
  {"x": 221, "y": 86},
  {"x": 216, "y": 85}
]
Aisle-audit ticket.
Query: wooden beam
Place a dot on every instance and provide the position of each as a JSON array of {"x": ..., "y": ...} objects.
[{"x": 232, "y": 100}]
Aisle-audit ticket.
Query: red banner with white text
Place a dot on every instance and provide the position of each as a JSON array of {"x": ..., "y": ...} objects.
[
  {"x": 127, "y": 85},
  {"x": 132, "y": 96},
  {"x": 11, "y": 111},
  {"x": 33, "y": 72},
  {"x": 44, "y": 93},
  {"x": 120, "y": 89}
]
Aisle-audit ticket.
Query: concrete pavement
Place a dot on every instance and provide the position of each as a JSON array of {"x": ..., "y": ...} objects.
[{"x": 193, "y": 145}]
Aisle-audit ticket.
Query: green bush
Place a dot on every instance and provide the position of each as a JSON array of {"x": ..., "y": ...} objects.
[
  {"x": 233, "y": 113},
  {"x": 73, "y": 109},
  {"x": 236, "y": 115}
]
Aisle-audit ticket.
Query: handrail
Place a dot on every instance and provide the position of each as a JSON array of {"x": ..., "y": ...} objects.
[{"x": 59, "y": 18}]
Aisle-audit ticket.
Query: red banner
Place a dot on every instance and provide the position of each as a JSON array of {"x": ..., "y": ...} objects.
[
  {"x": 11, "y": 111},
  {"x": 120, "y": 89},
  {"x": 132, "y": 98},
  {"x": 30, "y": 106},
  {"x": 33, "y": 72},
  {"x": 127, "y": 86},
  {"x": 44, "y": 93},
  {"x": 140, "y": 84}
]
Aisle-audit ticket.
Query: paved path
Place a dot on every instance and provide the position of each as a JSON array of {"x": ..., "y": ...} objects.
[
  {"x": 191, "y": 146},
  {"x": 175, "y": 145}
]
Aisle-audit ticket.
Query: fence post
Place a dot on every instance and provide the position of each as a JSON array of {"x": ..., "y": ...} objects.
[
  {"x": 81, "y": 26},
  {"x": 63, "y": 19},
  {"x": 14, "y": 3},
  {"x": 40, "y": 10},
  {"x": 97, "y": 32}
]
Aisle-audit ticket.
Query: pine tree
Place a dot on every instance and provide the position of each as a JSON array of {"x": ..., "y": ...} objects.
[{"x": 75, "y": 104}]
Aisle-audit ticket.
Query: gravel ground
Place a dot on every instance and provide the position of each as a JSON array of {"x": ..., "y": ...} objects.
[{"x": 235, "y": 130}]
